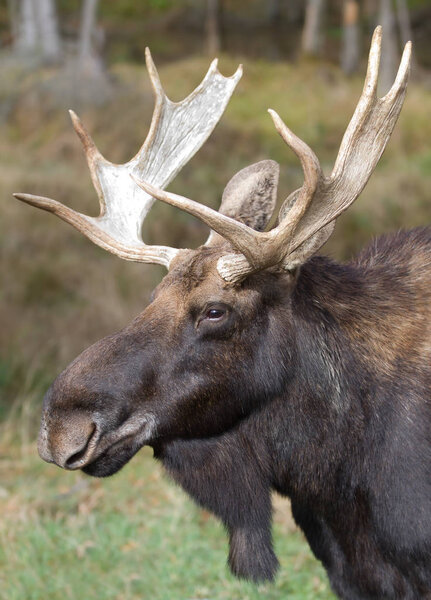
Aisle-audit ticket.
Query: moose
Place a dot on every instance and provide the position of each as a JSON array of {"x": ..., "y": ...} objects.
[{"x": 259, "y": 366}]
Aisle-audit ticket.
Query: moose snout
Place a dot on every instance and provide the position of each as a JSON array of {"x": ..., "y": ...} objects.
[{"x": 71, "y": 443}]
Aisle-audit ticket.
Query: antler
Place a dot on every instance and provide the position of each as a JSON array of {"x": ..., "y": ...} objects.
[
  {"x": 177, "y": 132},
  {"x": 307, "y": 217}
]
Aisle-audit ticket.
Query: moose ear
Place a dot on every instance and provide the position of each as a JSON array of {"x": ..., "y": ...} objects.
[{"x": 250, "y": 196}]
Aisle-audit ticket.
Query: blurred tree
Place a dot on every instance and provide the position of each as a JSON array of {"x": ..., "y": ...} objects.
[
  {"x": 350, "y": 46},
  {"x": 35, "y": 25},
  {"x": 404, "y": 23},
  {"x": 213, "y": 27},
  {"x": 88, "y": 56},
  {"x": 312, "y": 35},
  {"x": 390, "y": 55},
  {"x": 87, "y": 70},
  {"x": 26, "y": 29},
  {"x": 49, "y": 30}
]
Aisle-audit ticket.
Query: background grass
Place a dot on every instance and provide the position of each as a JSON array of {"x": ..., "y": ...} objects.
[
  {"x": 63, "y": 535},
  {"x": 136, "y": 535}
]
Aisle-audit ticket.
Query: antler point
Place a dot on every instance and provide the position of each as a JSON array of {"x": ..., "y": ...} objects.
[
  {"x": 24, "y": 197},
  {"x": 76, "y": 121}
]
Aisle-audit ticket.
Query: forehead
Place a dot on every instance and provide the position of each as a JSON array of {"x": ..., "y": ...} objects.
[
  {"x": 193, "y": 269},
  {"x": 193, "y": 278}
]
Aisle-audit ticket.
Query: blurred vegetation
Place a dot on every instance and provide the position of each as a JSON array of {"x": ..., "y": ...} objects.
[
  {"x": 138, "y": 536},
  {"x": 176, "y": 28}
]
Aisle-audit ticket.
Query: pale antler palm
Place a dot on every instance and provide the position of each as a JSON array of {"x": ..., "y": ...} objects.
[{"x": 177, "y": 132}]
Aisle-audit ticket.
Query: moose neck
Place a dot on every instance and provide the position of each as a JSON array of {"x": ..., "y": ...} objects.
[
  {"x": 355, "y": 341},
  {"x": 315, "y": 439}
]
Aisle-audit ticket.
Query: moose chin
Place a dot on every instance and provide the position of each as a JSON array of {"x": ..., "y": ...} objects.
[{"x": 259, "y": 366}]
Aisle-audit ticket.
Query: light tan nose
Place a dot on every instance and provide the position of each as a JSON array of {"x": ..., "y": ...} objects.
[{"x": 70, "y": 443}]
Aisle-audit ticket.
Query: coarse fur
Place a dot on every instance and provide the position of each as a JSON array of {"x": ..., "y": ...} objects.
[{"x": 314, "y": 384}]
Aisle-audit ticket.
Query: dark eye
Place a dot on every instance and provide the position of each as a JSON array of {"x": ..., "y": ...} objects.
[{"x": 215, "y": 314}]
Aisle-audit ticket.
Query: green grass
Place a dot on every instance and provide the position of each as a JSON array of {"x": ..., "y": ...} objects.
[{"x": 135, "y": 535}]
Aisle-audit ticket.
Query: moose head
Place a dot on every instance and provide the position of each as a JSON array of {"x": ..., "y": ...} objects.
[{"x": 219, "y": 341}]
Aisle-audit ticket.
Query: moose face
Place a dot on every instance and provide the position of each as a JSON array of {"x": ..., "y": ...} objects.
[{"x": 198, "y": 359}]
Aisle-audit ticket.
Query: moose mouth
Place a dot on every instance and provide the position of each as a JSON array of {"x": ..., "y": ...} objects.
[
  {"x": 113, "y": 458},
  {"x": 112, "y": 452}
]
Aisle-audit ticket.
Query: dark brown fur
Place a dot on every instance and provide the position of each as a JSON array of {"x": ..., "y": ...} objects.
[{"x": 317, "y": 385}]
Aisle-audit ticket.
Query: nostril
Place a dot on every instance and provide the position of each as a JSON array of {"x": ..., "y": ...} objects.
[{"x": 76, "y": 460}]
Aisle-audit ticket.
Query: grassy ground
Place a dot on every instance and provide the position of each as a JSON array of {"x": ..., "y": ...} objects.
[
  {"x": 136, "y": 536},
  {"x": 63, "y": 535}
]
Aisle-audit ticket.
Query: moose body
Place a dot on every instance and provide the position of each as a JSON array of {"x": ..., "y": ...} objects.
[
  {"x": 317, "y": 386},
  {"x": 258, "y": 366}
]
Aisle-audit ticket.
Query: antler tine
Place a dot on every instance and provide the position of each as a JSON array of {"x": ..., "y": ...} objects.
[
  {"x": 297, "y": 202},
  {"x": 177, "y": 131},
  {"x": 153, "y": 74},
  {"x": 161, "y": 255},
  {"x": 92, "y": 154},
  {"x": 239, "y": 235},
  {"x": 402, "y": 77},
  {"x": 363, "y": 144}
]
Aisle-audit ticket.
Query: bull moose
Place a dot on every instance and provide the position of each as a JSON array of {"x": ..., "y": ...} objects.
[{"x": 258, "y": 366}]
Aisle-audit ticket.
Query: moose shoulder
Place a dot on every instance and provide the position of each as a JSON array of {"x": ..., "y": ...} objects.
[{"x": 258, "y": 366}]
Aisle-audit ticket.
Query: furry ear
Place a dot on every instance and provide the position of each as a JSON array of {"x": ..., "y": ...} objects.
[{"x": 250, "y": 196}]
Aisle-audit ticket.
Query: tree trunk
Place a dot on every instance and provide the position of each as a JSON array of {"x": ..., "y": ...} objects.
[
  {"x": 37, "y": 34},
  {"x": 350, "y": 50},
  {"x": 404, "y": 21},
  {"x": 212, "y": 27},
  {"x": 26, "y": 43},
  {"x": 88, "y": 20},
  {"x": 312, "y": 32},
  {"x": 89, "y": 73},
  {"x": 390, "y": 55},
  {"x": 49, "y": 36}
]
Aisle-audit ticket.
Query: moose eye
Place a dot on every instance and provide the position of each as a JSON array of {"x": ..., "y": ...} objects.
[
  {"x": 214, "y": 319},
  {"x": 215, "y": 314}
]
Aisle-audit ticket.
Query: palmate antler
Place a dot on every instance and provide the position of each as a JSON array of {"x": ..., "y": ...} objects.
[
  {"x": 307, "y": 217},
  {"x": 177, "y": 132}
]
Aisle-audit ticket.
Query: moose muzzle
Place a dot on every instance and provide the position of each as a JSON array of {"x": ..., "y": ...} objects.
[{"x": 69, "y": 443}]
